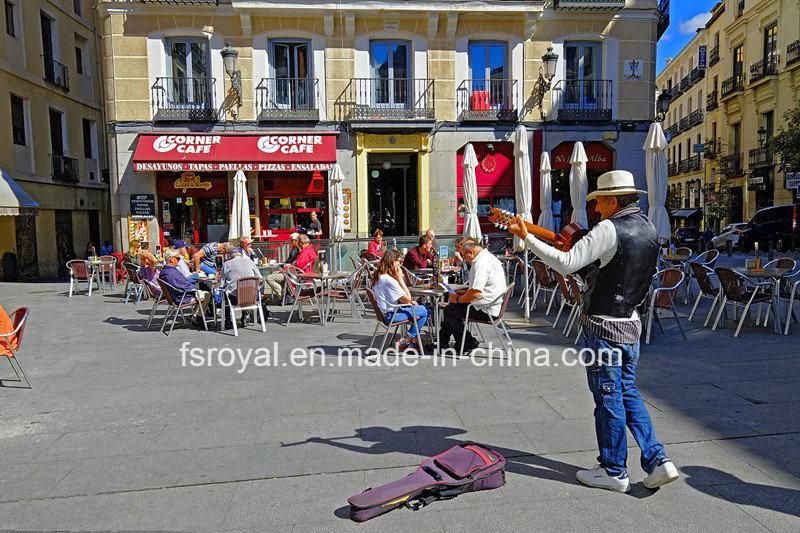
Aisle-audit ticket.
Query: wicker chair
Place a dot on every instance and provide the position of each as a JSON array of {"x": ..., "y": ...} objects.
[
  {"x": 739, "y": 291},
  {"x": 703, "y": 274},
  {"x": 663, "y": 297},
  {"x": 248, "y": 298}
]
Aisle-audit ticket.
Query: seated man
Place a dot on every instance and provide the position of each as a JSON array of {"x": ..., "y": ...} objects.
[
  {"x": 420, "y": 256},
  {"x": 237, "y": 267},
  {"x": 182, "y": 265},
  {"x": 275, "y": 280},
  {"x": 178, "y": 283},
  {"x": 246, "y": 248},
  {"x": 307, "y": 257},
  {"x": 487, "y": 285},
  {"x": 205, "y": 259}
]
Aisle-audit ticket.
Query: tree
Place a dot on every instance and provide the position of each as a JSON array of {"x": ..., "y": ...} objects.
[
  {"x": 718, "y": 199},
  {"x": 785, "y": 143}
]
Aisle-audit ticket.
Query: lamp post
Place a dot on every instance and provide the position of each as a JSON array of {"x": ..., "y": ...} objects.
[
  {"x": 662, "y": 105},
  {"x": 229, "y": 57},
  {"x": 762, "y": 136},
  {"x": 546, "y": 74}
]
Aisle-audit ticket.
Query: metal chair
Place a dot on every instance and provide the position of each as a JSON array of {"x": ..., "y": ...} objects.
[
  {"x": 570, "y": 297},
  {"x": 11, "y": 341},
  {"x": 412, "y": 280},
  {"x": 545, "y": 282},
  {"x": 108, "y": 270},
  {"x": 740, "y": 291},
  {"x": 155, "y": 293},
  {"x": 248, "y": 298},
  {"x": 396, "y": 324},
  {"x": 179, "y": 305},
  {"x": 663, "y": 297},
  {"x": 133, "y": 284},
  {"x": 703, "y": 274},
  {"x": 345, "y": 290},
  {"x": 301, "y": 292},
  {"x": 81, "y": 271},
  {"x": 501, "y": 331},
  {"x": 794, "y": 290}
]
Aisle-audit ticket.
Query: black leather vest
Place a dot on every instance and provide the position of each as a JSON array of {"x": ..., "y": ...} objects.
[{"x": 623, "y": 283}]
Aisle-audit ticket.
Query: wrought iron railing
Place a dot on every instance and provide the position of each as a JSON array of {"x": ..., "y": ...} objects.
[
  {"x": 793, "y": 52},
  {"x": 695, "y": 117},
  {"x": 761, "y": 157},
  {"x": 763, "y": 68},
  {"x": 710, "y": 151},
  {"x": 683, "y": 124},
  {"x": 64, "y": 168},
  {"x": 56, "y": 73},
  {"x": 287, "y": 99},
  {"x": 493, "y": 100},
  {"x": 673, "y": 130},
  {"x": 374, "y": 99},
  {"x": 672, "y": 169},
  {"x": 584, "y": 100},
  {"x": 713, "y": 56},
  {"x": 731, "y": 164},
  {"x": 732, "y": 85},
  {"x": 685, "y": 83},
  {"x": 712, "y": 101},
  {"x": 696, "y": 75},
  {"x": 683, "y": 166},
  {"x": 183, "y": 99},
  {"x": 695, "y": 163}
]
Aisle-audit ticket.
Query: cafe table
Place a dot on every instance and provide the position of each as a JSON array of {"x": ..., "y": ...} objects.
[
  {"x": 326, "y": 282},
  {"x": 767, "y": 274},
  {"x": 435, "y": 294}
]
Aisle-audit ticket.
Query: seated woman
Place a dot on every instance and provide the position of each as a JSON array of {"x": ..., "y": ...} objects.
[
  {"x": 390, "y": 288},
  {"x": 132, "y": 256},
  {"x": 376, "y": 247},
  {"x": 148, "y": 271}
]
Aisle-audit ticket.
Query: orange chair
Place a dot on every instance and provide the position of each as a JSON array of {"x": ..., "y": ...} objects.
[{"x": 11, "y": 329}]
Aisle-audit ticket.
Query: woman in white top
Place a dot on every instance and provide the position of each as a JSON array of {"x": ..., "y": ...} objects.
[{"x": 389, "y": 289}]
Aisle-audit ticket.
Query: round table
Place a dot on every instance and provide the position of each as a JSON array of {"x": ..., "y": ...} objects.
[{"x": 774, "y": 274}]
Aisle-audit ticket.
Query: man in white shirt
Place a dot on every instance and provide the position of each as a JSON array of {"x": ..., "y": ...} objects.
[{"x": 487, "y": 285}]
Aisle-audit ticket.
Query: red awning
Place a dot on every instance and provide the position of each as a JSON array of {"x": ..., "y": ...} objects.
[{"x": 221, "y": 152}]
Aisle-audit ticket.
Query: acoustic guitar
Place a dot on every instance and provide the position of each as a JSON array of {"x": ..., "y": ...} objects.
[{"x": 563, "y": 241}]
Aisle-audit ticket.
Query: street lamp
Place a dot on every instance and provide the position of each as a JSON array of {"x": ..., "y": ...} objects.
[
  {"x": 547, "y": 73},
  {"x": 662, "y": 105},
  {"x": 229, "y": 57},
  {"x": 762, "y": 136}
]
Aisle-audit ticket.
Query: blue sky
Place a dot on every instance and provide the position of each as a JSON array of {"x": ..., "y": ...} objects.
[{"x": 686, "y": 17}]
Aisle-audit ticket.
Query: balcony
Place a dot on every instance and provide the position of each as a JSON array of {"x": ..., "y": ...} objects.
[
  {"x": 488, "y": 100},
  {"x": 56, "y": 73},
  {"x": 694, "y": 163},
  {"x": 64, "y": 168},
  {"x": 695, "y": 117},
  {"x": 376, "y": 101},
  {"x": 663, "y": 17},
  {"x": 683, "y": 166},
  {"x": 713, "y": 56},
  {"x": 672, "y": 169},
  {"x": 183, "y": 99},
  {"x": 589, "y": 4},
  {"x": 583, "y": 100},
  {"x": 793, "y": 53},
  {"x": 710, "y": 151},
  {"x": 673, "y": 130},
  {"x": 711, "y": 101},
  {"x": 730, "y": 165},
  {"x": 685, "y": 84},
  {"x": 763, "y": 68},
  {"x": 732, "y": 85},
  {"x": 696, "y": 75},
  {"x": 683, "y": 124},
  {"x": 287, "y": 99},
  {"x": 739, "y": 8},
  {"x": 761, "y": 157}
]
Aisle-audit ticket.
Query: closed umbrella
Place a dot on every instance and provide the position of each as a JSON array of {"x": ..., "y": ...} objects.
[
  {"x": 578, "y": 185},
  {"x": 545, "y": 193},
  {"x": 240, "y": 211},
  {"x": 522, "y": 167},
  {"x": 336, "y": 177},
  {"x": 472, "y": 228},
  {"x": 656, "y": 173}
]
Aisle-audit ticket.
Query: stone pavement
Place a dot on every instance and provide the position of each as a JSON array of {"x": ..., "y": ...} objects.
[{"x": 116, "y": 434}]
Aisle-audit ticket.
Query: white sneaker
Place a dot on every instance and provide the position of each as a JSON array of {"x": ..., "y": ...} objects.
[
  {"x": 598, "y": 477},
  {"x": 664, "y": 473}
]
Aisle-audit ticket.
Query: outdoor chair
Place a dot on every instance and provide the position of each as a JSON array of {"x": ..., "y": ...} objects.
[
  {"x": 107, "y": 270},
  {"x": 707, "y": 258},
  {"x": 11, "y": 341},
  {"x": 177, "y": 306},
  {"x": 497, "y": 323},
  {"x": 346, "y": 290},
  {"x": 793, "y": 292},
  {"x": 396, "y": 322},
  {"x": 519, "y": 267},
  {"x": 133, "y": 285},
  {"x": 120, "y": 257},
  {"x": 786, "y": 284},
  {"x": 248, "y": 298},
  {"x": 545, "y": 282},
  {"x": 663, "y": 297},
  {"x": 155, "y": 293},
  {"x": 740, "y": 291},
  {"x": 570, "y": 297},
  {"x": 301, "y": 292},
  {"x": 412, "y": 280},
  {"x": 703, "y": 274},
  {"x": 80, "y": 271}
]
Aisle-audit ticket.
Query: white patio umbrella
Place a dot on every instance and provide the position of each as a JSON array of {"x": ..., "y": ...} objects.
[
  {"x": 522, "y": 174},
  {"x": 13, "y": 198},
  {"x": 336, "y": 177},
  {"x": 472, "y": 227},
  {"x": 545, "y": 193},
  {"x": 656, "y": 173},
  {"x": 578, "y": 185},
  {"x": 240, "y": 210}
]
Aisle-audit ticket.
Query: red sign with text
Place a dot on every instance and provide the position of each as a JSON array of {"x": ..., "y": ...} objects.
[
  {"x": 212, "y": 152},
  {"x": 600, "y": 156}
]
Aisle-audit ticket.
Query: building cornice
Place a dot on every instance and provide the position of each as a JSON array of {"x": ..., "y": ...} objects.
[{"x": 378, "y": 6}]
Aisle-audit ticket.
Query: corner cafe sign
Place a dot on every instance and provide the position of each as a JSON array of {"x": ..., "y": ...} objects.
[{"x": 209, "y": 152}]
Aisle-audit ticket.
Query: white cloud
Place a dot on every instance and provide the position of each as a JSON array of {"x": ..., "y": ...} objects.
[{"x": 689, "y": 27}]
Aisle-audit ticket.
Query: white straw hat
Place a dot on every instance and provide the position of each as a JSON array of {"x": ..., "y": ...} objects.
[{"x": 615, "y": 183}]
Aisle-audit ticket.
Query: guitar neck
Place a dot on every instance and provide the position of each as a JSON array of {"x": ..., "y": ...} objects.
[{"x": 542, "y": 233}]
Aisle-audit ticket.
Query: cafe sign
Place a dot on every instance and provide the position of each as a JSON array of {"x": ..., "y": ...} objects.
[{"x": 190, "y": 180}]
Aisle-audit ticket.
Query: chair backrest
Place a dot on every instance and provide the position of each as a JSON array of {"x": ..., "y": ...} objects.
[
  {"x": 506, "y": 298},
  {"x": 702, "y": 274},
  {"x": 783, "y": 262},
  {"x": 374, "y": 303},
  {"x": 153, "y": 290},
  {"x": 684, "y": 250},
  {"x": 411, "y": 278},
  {"x": 732, "y": 283},
  {"x": 166, "y": 291},
  {"x": 708, "y": 258},
  {"x": 544, "y": 276},
  {"x": 132, "y": 272},
  {"x": 356, "y": 278},
  {"x": 19, "y": 318},
  {"x": 248, "y": 291},
  {"x": 292, "y": 281},
  {"x": 566, "y": 288},
  {"x": 669, "y": 280},
  {"x": 79, "y": 269},
  {"x": 109, "y": 258}
]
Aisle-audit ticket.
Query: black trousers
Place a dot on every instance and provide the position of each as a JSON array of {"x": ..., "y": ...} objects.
[{"x": 453, "y": 323}]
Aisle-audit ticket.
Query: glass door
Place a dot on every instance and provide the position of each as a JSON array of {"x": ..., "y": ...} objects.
[
  {"x": 389, "y": 61},
  {"x": 189, "y": 67},
  {"x": 292, "y": 75},
  {"x": 488, "y": 69},
  {"x": 582, "y": 72}
]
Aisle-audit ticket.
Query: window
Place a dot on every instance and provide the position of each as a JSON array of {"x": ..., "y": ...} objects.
[
  {"x": 77, "y": 7},
  {"x": 389, "y": 61},
  {"x": 738, "y": 63},
  {"x": 56, "y": 132},
  {"x": 488, "y": 70},
  {"x": 768, "y": 121},
  {"x": 736, "y": 138},
  {"x": 18, "y": 120},
  {"x": 188, "y": 64},
  {"x": 771, "y": 43},
  {"x": 78, "y": 60},
  {"x": 88, "y": 139},
  {"x": 292, "y": 74},
  {"x": 10, "y": 24}
]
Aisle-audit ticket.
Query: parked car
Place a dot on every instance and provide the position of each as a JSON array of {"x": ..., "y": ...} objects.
[
  {"x": 779, "y": 225},
  {"x": 731, "y": 233},
  {"x": 687, "y": 237}
]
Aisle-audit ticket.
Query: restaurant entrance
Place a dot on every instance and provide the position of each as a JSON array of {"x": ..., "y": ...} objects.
[
  {"x": 192, "y": 207},
  {"x": 393, "y": 193}
]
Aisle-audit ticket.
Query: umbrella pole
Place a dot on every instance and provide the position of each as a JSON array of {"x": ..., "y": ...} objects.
[{"x": 527, "y": 288}]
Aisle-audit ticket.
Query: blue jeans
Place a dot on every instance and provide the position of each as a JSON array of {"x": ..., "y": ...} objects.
[
  {"x": 210, "y": 270},
  {"x": 617, "y": 405},
  {"x": 405, "y": 313}
]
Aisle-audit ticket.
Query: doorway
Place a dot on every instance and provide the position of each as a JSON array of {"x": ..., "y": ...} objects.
[
  {"x": 393, "y": 193},
  {"x": 65, "y": 246}
]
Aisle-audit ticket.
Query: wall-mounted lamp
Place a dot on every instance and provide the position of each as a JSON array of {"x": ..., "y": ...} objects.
[
  {"x": 662, "y": 105},
  {"x": 762, "y": 136},
  {"x": 546, "y": 73},
  {"x": 490, "y": 148},
  {"x": 229, "y": 57},
  {"x": 387, "y": 165}
]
